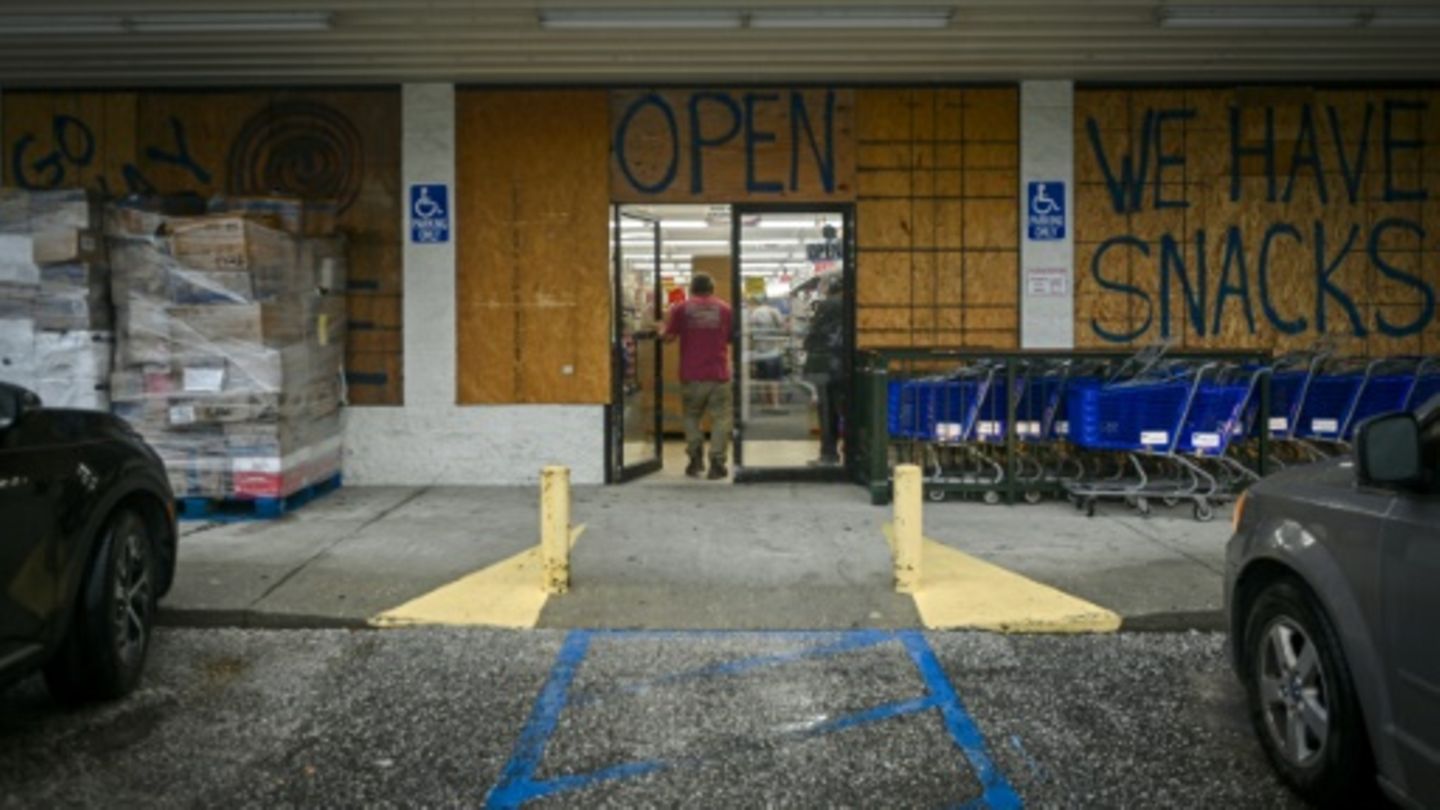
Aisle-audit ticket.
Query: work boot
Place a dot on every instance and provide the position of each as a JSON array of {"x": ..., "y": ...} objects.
[
  {"x": 717, "y": 470},
  {"x": 696, "y": 467}
]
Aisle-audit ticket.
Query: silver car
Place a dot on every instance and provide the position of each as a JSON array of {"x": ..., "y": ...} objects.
[{"x": 1333, "y": 591}]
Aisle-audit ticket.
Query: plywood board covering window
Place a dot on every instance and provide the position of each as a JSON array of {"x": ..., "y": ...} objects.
[
  {"x": 729, "y": 145},
  {"x": 532, "y": 201},
  {"x": 1264, "y": 218},
  {"x": 937, "y": 241}
]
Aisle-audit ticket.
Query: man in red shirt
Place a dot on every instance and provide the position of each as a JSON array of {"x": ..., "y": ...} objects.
[{"x": 702, "y": 325}]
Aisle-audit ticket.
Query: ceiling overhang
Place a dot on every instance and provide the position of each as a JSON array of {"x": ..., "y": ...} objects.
[{"x": 211, "y": 43}]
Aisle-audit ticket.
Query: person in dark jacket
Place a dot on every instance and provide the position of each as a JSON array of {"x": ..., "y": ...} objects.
[{"x": 825, "y": 365}]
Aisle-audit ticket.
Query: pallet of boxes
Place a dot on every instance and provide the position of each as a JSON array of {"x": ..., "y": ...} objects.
[
  {"x": 230, "y": 331},
  {"x": 55, "y": 315}
]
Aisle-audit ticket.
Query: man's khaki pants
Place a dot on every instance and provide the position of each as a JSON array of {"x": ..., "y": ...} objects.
[{"x": 707, "y": 398}]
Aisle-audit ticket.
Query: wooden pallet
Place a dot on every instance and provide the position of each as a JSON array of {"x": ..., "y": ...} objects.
[{"x": 233, "y": 509}]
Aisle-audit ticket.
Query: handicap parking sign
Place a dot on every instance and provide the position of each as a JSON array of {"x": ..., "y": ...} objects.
[
  {"x": 1046, "y": 211},
  {"x": 429, "y": 213}
]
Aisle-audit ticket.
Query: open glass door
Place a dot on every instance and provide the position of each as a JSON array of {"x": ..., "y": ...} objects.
[
  {"x": 634, "y": 426},
  {"x": 794, "y": 322}
]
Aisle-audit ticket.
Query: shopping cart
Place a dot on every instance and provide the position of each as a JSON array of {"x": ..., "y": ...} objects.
[
  {"x": 1427, "y": 384},
  {"x": 1043, "y": 463},
  {"x": 1171, "y": 433}
]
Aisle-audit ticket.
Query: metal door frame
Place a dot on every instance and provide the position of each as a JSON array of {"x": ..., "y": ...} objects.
[
  {"x": 738, "y": 211},
  {"x": 616, "y": 471}
]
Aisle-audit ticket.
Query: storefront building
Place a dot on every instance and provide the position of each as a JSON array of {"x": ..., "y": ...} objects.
[{"x": 1037, "y": 214}]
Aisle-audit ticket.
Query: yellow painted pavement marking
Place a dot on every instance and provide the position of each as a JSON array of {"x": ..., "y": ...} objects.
[
  {"x": 958, "y": 591},
  {"x": 506, "y": 594}
]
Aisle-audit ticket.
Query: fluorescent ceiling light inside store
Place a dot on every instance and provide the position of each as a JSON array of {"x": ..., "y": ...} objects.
[
  {"x": 787, "y": 224},
  {"x": 1237, "y": 16},
  {"x": 772, "y": 242},
  {"x": 631, "y": 19},
  {"x": 691, "y": 242},
  {"x": 666, "y": 224},
  {"x": 871, "y": 18},
  {"x": 641, "y": 240}
]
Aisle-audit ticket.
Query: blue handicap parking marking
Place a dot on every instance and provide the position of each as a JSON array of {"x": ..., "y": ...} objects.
[
  {"x": 1045, "y": 211},
  {"x": 998, "y": 793},
  {"x": 519, "y": 784},
  {"x": 429, "y": 213}
]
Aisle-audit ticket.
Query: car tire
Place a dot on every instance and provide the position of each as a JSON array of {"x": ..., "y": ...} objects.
[
  {"x": 1294, "y": 665},
  {"x": 104, "y": 649}
]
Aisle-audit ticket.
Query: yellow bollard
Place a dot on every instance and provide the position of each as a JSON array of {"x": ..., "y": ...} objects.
[
  {"x": 555, "y": 535},
  {"x": 908, "y": 528}
]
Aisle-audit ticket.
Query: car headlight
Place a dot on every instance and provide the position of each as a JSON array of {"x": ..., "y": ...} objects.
[{"x": 1239, "y": 513}]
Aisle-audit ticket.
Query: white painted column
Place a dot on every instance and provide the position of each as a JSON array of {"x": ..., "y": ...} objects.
[
  {"x": 1047, "y": 271},
  {"x": 431, "y": 439},
  {"x": 428, "y": 156}
]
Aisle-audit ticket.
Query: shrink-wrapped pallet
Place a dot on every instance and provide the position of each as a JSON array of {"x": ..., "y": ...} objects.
[
  {"x": 230, "y": 348},
  {"x": 55, "y": 308}
]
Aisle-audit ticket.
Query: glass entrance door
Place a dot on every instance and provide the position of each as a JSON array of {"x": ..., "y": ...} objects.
[
  {"x": 792, "y": 340},
  {"x": 634, "y": 426}
]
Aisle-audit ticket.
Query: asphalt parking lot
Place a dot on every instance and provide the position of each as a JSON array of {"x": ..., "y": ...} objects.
[{"x": 467, "y": 718}]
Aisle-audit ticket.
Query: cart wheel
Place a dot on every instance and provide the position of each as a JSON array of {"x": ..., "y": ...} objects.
[
  {"x": 1204, "y": 511},
  {"x": 935, "y": 494},
  {"x": 1033, "y": 496},
  {"x": 1170, "y": 501},
  {"x": 1090, "y": 507},
  {"x": 1142, "y": 505},
  {"x": 992, "y": 497}
]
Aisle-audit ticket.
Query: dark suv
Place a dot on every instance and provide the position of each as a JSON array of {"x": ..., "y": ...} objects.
[
  {"x": 1333, "y": 588},
  {"x": 87, "y": 546}
]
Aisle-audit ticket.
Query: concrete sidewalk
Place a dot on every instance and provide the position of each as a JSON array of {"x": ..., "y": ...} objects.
[{"x": 681, "y": 556}]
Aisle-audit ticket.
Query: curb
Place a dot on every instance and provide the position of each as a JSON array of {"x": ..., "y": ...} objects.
[
  {"x": 1207, "y": 621},
  {"x": 1212, "y": 621},
  {"x": 254, "y": 620}
]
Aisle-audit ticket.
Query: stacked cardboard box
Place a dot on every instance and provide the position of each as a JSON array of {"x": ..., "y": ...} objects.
[
  {"x": 230, "y": 334},
  {"x": 55, "y": 314}
]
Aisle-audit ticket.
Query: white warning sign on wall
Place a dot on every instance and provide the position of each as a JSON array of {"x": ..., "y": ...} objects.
[{"x": 1047, "y": 282}]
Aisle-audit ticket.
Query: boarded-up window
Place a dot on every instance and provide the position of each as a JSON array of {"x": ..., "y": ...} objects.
[
  {"x": 533, "y": 286},
  {"x": 1269, "y": 218},
  {"x": 936, "y": 218}
]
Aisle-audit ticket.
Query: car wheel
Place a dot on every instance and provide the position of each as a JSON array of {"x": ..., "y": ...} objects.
[
  {"x": 104, "y": 649},
  {"x": 1302, "y": 701}
]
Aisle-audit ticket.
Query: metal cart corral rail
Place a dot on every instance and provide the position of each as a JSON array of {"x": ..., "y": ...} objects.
[{"x": 1013, "y": 423}]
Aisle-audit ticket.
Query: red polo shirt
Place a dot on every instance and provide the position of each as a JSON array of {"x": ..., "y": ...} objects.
[{"x": 703, "y": 326}]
